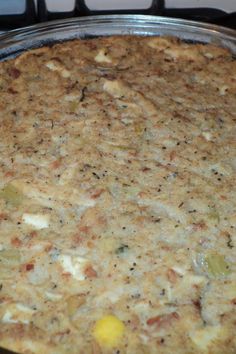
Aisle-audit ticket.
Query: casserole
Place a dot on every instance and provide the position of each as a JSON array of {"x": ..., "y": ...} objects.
[{"x": 117, "y": 185}]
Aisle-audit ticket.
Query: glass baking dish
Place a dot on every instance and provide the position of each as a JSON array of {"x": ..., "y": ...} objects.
[{"x": 15, "y": 42}]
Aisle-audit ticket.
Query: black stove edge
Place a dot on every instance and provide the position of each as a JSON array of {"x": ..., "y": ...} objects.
[
  {"x": 194, "y": 13},
  {"x": 5, "y": 351},
  {"x": 228, "y": 20},
  {"x": 45, "y": 15},
  {"x": 156, "y": 8},
  {"x": 81, "y": 9},
  {"x": 29, "y": 17},
  {"x": 210, "y": 15}
]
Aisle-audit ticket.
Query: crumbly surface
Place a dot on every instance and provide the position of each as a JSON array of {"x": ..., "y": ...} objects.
[{"x": 117, "y": 178}]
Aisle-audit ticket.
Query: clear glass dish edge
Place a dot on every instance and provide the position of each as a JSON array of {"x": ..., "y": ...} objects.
[{"x": 17, "y": 41}]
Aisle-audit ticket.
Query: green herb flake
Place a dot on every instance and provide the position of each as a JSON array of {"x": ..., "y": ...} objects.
[{"x": 122, "y": 249}]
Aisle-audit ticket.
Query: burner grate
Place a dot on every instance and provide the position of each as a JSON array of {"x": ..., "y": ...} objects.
[
  {"x": 22, "y": 13},
  {"x": 32, "y": 14}
]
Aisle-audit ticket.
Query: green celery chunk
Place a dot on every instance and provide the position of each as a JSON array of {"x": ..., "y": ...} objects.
[
  {"x": 216, "y": 265},
  {"x": 10, "y": 257},
  {"x": 11, "y": 195}
]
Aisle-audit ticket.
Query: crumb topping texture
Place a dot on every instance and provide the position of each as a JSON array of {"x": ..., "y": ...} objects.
[{"x": 118, "y": 199}]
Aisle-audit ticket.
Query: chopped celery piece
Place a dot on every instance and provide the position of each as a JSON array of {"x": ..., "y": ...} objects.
[
  {"x": 122, "y": 147},
  {"x": 216, "y": 265},
  {"x": 73, "y": 106},
  {"x": 11, "y": 195},
  {"x": 74, "y": 302},
  {"x": 214, "y": 216},
  {"x": 10, "y": 257},
  {"x": 131, "y": 191},
  {"x": 139, "y": 128}
]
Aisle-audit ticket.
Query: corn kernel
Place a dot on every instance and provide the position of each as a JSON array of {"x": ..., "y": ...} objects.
[{"x": 108, "y": 331}]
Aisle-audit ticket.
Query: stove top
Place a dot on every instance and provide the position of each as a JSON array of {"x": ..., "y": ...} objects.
[{"x": 19, "y": 13}]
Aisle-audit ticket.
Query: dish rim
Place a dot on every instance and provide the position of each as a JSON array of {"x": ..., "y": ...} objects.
[{"x": 14, "y": 42}]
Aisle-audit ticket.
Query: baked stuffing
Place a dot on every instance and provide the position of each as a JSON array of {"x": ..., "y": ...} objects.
[{"x": 118, "y": 212}]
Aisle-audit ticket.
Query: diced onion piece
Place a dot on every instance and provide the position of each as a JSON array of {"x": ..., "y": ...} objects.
[
  {"x": 202, "y": 338},
  {"x": 207, "y": 136},
  {"x": 56, "y": 66},
  {"x": 102, "y": 57},
  {"x": 52, "y": 296},
  {"x": 74, "y": 265},
  {"x": 38, "y": 221},
  {"x": 17, "y": 313},
  {"x": 223, "y": 90}
]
